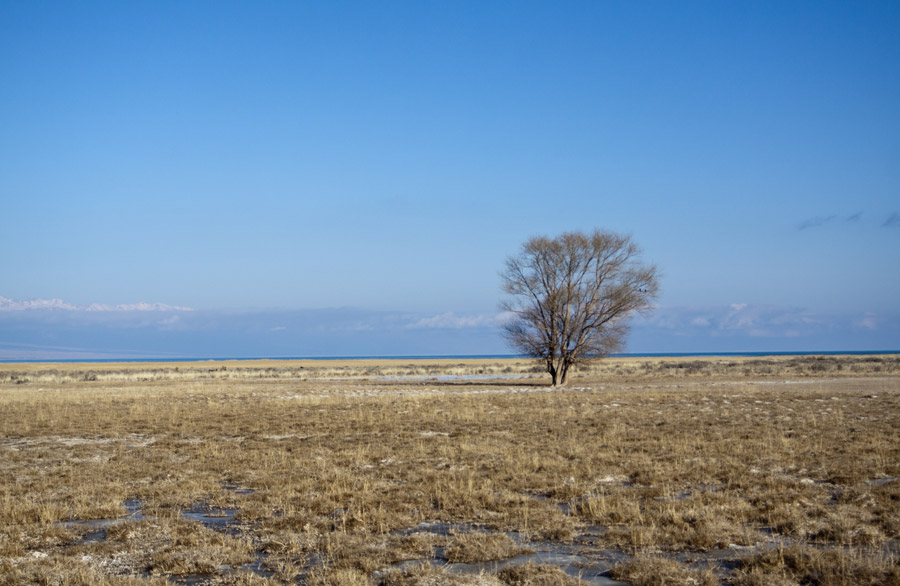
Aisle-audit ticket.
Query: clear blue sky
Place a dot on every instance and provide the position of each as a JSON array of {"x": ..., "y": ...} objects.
[{"x": 387, "y": 156}]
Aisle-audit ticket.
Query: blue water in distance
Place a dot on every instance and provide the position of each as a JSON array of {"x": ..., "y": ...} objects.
[{"x": 456, "y": 356}]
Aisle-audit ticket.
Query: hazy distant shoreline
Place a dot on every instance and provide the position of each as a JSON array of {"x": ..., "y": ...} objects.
[{"x": 444, "y": 357}]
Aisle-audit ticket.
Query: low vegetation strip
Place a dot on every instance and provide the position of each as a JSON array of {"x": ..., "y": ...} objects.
[
  {"x": 737, "y": 471},
  {"x": 394, "y": 370}
]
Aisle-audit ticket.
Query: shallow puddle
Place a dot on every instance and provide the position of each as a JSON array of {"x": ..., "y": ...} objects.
[
  {"x": 883, "y": 481},
  {"x": 574, "y": 565},
  {"x": 580, "y": 559},
  {"x": 590, "y": 572},
  {"x": 591, "y": 569},
  {"x": 97, "y": 527},
  {"x": 213, "y": 518},
  {"x": 439, "y": 528},
  {"x": 259, "y": 566}
]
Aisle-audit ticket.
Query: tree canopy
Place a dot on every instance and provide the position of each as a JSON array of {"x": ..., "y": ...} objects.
[{"x": 571, "y": 297}]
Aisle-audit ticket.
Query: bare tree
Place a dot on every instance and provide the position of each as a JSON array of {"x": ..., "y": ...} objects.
[{"x": 571, "y": 297}]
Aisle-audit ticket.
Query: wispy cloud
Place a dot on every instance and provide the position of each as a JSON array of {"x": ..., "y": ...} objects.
[
  {"x": 139, "y": 306},
  {"x": 868, "y": 321},
  {"x": 742, "y": 327},
  {"x": 756, "y": 320},
  {"x": 450, "y": 320},
  {"x": 892, "y": 221},
  {"x": 819, "y": 221},
  {"x": 7, "y": 304}
]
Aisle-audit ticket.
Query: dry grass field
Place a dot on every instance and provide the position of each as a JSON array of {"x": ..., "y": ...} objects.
[{"x": 740, "y": 471}]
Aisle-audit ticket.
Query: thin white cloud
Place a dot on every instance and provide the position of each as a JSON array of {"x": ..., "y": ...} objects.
[
  {"x": 868, "y": 321},
  {"x": 139, "y": 306},
  {"x": 170, "y": 321},
  {"x": 7, "y": 304},
  {"x": 450, "y": 320},
  {"x": 754, "y": 321}
]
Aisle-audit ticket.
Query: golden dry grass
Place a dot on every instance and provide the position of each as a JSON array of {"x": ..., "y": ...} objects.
[{"x": 359, "y": 473}]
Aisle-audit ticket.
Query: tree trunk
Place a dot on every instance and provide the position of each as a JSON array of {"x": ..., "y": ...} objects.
[{"x": 557, "y": 372}]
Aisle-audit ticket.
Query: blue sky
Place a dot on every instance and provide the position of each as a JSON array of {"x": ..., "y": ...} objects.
[{"x": 346, "y": 178}]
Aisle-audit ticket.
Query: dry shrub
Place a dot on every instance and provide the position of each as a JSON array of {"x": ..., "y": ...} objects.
[
  {"x": 694, "y": 528},
  {"x": 288, "y": 542},
  {"x": 882, "y": 501},
  {"x": 16, "y": 540},
  {"x": 179, "y": 547},
  {"x": 427, "y": 575},
  {"x": 285, "y": 567},
  {"x": 337, "y": 577},
  {"x": 656, "y": 571},
  {"x": 368, "y": 553},
  {"x": 536, "y": 575},
  {"x": 482, "y": 547},
  {"x": 609, "y": 509},
  {"x": 807, "y": 565},
  {"x": 38, "y": 571},
  {"x": 356, "y": 552}
]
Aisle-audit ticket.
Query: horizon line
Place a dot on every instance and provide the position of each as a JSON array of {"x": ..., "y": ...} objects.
[{"x": 446, "y": 356}]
